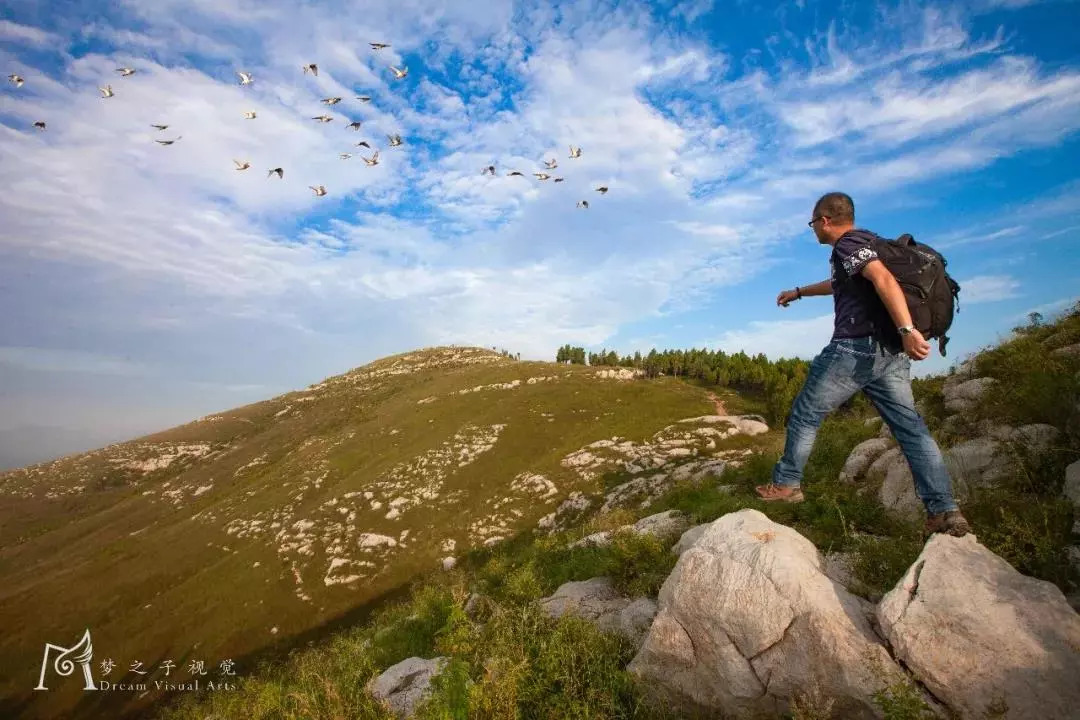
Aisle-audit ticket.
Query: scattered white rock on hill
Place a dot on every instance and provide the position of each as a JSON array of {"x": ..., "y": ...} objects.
[
  {"x": 664, "y": 525},
  {"x": 597, "y": 600},
  {"x": 403, "y": 686}
]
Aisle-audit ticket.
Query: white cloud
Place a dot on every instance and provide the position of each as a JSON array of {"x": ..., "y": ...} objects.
[
  {"x": 779, "y": 338},
  {"x": 25, "y": 35},
  {"x": 168, "y": 249},
  {"x": 988, "y": 288}
]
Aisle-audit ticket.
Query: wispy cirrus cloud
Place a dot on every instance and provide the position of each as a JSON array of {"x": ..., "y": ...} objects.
[{"x": 988, "y": 288}]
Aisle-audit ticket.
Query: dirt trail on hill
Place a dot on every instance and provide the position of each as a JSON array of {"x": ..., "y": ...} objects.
[{"x": 720, "y": 410}]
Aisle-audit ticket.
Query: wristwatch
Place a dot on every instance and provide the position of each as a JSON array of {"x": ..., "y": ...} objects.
[{"x": 905, "y": 330}]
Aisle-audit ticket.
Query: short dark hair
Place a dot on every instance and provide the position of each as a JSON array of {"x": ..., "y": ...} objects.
[{"x": 836, "y": 205}]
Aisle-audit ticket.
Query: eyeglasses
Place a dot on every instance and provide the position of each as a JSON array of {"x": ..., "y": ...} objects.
[{"x": 811, "y": 223}]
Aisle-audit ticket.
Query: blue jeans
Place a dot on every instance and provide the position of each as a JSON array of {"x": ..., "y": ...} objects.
[{"x": 843, "y": 368}]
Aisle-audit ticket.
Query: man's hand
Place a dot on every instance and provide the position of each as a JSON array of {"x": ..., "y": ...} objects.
[
  {"x": 915, "y": 345},
  {"x": 786, "y": 296}
]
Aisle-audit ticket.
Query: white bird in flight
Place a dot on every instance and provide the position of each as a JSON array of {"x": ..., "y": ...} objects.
[
  {"x": 575, "y": 152},
  {"x": 556, "y": 180},
  {"x": 399, "y": 74},
  {"x": 245, "y": 78},
  {"x": 40, "y": 124},
  {"x": 319, "y": 190},
  {"x": 355, "y": 125},
  {"x": 583, "y": 204},
  {"x": 312, "y": 68},
  {"x": 363, "y": 98},
  {"x": 242, "y": 165},
  {"x": 489, "y": 170},
  {"x": 331, "y": 100},
  {"x": 160, "y": 127},
  {"x": 541, "y": 176},
  {"x": 379, "y": 46},
  {"x": 167, "y": 142},
  {"x": 515, "y": 173},
  {"x": 395, "y": 140},
  {"x": 279, "y": 171},
  {"x": 602, "y": 190},
  {"x": 344, "y": 156},
  {"x": 125, "y": 71},
  {"x": 373, "y": 160},
  {"x": 551, "y": 164},
  {"x": 323, "y": 118},
  {"x": 249, "y": 114},
  {"x": 106, "y": 92},
  {"x": 16, "y": 79},
  {"x": 363, "y": 143}
]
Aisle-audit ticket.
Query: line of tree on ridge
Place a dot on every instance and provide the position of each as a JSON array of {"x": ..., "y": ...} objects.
[{"x": 777, "y": 381}]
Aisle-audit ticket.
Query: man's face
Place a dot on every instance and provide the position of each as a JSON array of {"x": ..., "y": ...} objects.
[{"x": 817, "y": 224}]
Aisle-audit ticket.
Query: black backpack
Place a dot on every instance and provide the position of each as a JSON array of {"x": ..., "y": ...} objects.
[{"x": 930, "y": 291}]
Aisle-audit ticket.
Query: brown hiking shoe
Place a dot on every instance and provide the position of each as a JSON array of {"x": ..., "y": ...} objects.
[
  {"x": 950, "y": 522},
  {"x": 773, "y": 492}
]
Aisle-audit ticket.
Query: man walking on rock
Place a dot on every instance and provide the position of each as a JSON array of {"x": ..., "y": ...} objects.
[{"x": 869, "y": 353}]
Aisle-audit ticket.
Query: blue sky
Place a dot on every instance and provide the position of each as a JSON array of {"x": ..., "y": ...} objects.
[{"x": 145, "y": 286}]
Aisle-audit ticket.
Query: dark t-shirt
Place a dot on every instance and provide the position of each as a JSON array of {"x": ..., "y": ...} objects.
[{"x": 856, "y": 303}]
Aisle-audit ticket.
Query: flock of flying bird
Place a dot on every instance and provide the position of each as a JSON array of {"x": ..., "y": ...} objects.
[{"x": 395, "y": 140}]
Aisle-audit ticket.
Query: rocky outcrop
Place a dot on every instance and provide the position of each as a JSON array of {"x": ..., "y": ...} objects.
[
  {"x": 1067, "y": 351},
  {"x": 663, "y": 525},
  {"x": 963, "y": 396},
  {"x": 637, "y": 492},
  {"x": 737, "y": 424},
  {"x": 980, "y": 636},
  {"x": 861, "y": 457},
  {"x": 403, "y": 686},
  {"x": 975, "y": 463},
  {"x": 598, "y": 601},
  {"x": 569, "y": 510},
  {"x": 748, "y": 620}
]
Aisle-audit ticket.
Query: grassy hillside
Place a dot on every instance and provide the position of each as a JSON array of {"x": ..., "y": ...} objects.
[
  {"x": 470, "y": 460},
  {"x": 509, "y": 660},
  {"x": 241, "y": 534}
]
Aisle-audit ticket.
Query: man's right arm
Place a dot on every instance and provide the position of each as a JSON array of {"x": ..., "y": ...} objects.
[{"x": 822, "y": 288}]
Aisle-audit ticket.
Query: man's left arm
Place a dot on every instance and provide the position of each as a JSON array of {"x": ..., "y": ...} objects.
[{"x": 890, "y": 293}]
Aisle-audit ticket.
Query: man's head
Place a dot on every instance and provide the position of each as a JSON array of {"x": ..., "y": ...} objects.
[{"x": 834, "y": 215}]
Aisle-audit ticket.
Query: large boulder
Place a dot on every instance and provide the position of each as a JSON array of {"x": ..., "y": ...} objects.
[
  {"x": 963, "y": 396},
  {"x": 977, "y": 633},
  {"x": 598, "y": 601},
  {"x": 403, "y": 686},
  {"x": 748, "y": 621},
  {"x": 862, "y": 455}
]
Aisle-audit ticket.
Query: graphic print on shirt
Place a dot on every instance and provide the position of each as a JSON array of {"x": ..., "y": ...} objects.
[{"x": 858, "y": 259}]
